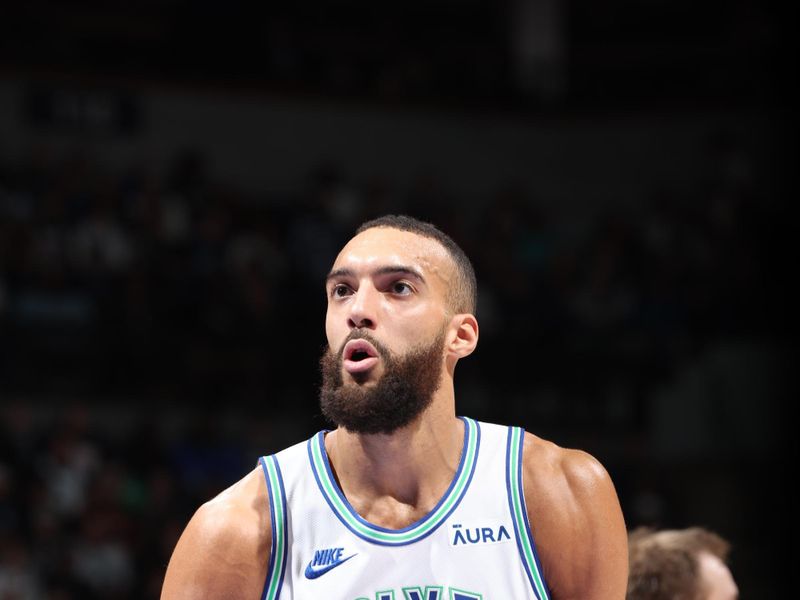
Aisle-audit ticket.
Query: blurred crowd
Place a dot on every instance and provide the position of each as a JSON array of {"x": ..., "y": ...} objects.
[
  {"x": 154, "y": 289},
  {"x": 147, "y": 282},
  {"x": 83, "y": 515}
]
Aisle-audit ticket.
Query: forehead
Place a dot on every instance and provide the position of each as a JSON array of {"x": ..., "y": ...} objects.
[
  {"x": 384, "y": 246},
  {"x": 716, "y": 577}
]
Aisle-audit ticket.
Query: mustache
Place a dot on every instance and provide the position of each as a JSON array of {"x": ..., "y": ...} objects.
[{"x": 361, "y": 334}]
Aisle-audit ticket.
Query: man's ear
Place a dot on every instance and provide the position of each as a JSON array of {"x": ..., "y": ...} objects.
[{"x": 465, "y": 340}]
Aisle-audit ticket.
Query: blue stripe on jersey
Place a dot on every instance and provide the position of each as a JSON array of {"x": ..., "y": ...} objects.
[
  {"x": 375, "y": 534},
  {"x": 519, "y": 513},
  {"x": 277, "y": 505}
]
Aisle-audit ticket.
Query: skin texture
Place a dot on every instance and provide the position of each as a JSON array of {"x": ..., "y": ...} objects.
[
  {"x": 394, "y": 284},
  {"x": 716, "y": 579}
]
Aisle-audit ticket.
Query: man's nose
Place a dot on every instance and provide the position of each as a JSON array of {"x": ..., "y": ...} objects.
[{"x": 363, "y": 309}]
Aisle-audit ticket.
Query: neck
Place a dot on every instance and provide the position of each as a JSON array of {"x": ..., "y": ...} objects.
[{"x": 395, "y": 479}]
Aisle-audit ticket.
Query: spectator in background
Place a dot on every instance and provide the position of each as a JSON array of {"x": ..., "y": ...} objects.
[{"x": 679, "y": 564}]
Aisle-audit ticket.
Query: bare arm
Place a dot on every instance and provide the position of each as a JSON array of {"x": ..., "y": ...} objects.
[
  {"x": 576, "y": 521},
  {"x": 224, "y": 551}
]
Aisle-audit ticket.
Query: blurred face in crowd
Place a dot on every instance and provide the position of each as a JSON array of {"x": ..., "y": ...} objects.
[
  {"x": 386, "y": 325},
  {"x": 716, "y": 579}
]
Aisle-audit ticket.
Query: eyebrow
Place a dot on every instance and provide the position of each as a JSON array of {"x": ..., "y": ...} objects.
[{"x": 387, "y": 270}]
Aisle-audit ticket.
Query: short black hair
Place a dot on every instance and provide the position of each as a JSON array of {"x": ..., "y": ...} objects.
[{"x": 464, "y": 295}]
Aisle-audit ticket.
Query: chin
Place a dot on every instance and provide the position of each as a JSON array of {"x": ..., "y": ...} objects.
[{"x": 361, "y": 379}]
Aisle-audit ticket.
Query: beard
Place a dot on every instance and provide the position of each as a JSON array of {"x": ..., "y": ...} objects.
[{"x": 404, "y": 390}]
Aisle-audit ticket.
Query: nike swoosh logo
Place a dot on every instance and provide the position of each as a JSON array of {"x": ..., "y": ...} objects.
[{"x": 312, "y": 573}]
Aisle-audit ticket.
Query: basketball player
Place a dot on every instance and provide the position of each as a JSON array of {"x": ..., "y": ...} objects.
[
  {"x": 404, "y": 500},
  {"x": 679, "y": 564}
]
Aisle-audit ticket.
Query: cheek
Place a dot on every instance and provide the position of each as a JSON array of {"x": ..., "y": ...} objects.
[
  {"x": 331, "y": 332},
  {"x": 417, "y": 320},
  {"x": 413, "y": 338}
]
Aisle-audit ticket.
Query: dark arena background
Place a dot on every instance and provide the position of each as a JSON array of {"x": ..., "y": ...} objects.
[{"x": 176, "y": 179}]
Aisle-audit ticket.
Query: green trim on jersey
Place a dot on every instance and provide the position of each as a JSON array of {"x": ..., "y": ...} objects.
[
  {"x": 519, "y": 511},
  {"x": 277, "y": 502},
  {"x": 415, "y": 532}
]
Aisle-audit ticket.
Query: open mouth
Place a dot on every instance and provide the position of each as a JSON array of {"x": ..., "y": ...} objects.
[{"x": 359, "y": 356}]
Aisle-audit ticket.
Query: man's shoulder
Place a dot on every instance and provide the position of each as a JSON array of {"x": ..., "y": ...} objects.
[
  {"x": 576, "y": 518},
  {"x": 235, "y": 511},
  {"x": 236, "y": 521},
  {"x": 545, "y": 462},
  {"x": 224, "y": 550}
]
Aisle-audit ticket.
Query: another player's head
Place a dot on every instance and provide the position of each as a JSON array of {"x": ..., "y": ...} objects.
[
  {"x": 679, "y": 564},
  {"x": 401, "y": 303}
]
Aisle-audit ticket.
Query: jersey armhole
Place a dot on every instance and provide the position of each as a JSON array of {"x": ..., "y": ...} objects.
[
  {"x": 277, "y": 508},
  {"x": 519, "y": 513}
]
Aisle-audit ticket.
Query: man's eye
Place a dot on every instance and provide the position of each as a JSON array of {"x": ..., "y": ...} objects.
[
  {"x": 400, "y": 287},
  {"x": 340, "y": 290}
]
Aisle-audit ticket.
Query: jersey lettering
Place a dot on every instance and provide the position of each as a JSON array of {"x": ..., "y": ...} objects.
[
  {"x": 469, "y": 536},
  {"x": 416, "y": 593},
  {"x": 431, "y": 592},
  {"x": 462, "y": 595}
]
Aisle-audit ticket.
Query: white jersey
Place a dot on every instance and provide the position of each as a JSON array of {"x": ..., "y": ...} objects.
[{"x": 476, "y": 543}]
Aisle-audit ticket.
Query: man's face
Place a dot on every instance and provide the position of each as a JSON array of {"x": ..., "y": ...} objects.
[
  {"x": 404, "y": 390},
  {"x": 386, "y": 322}
]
